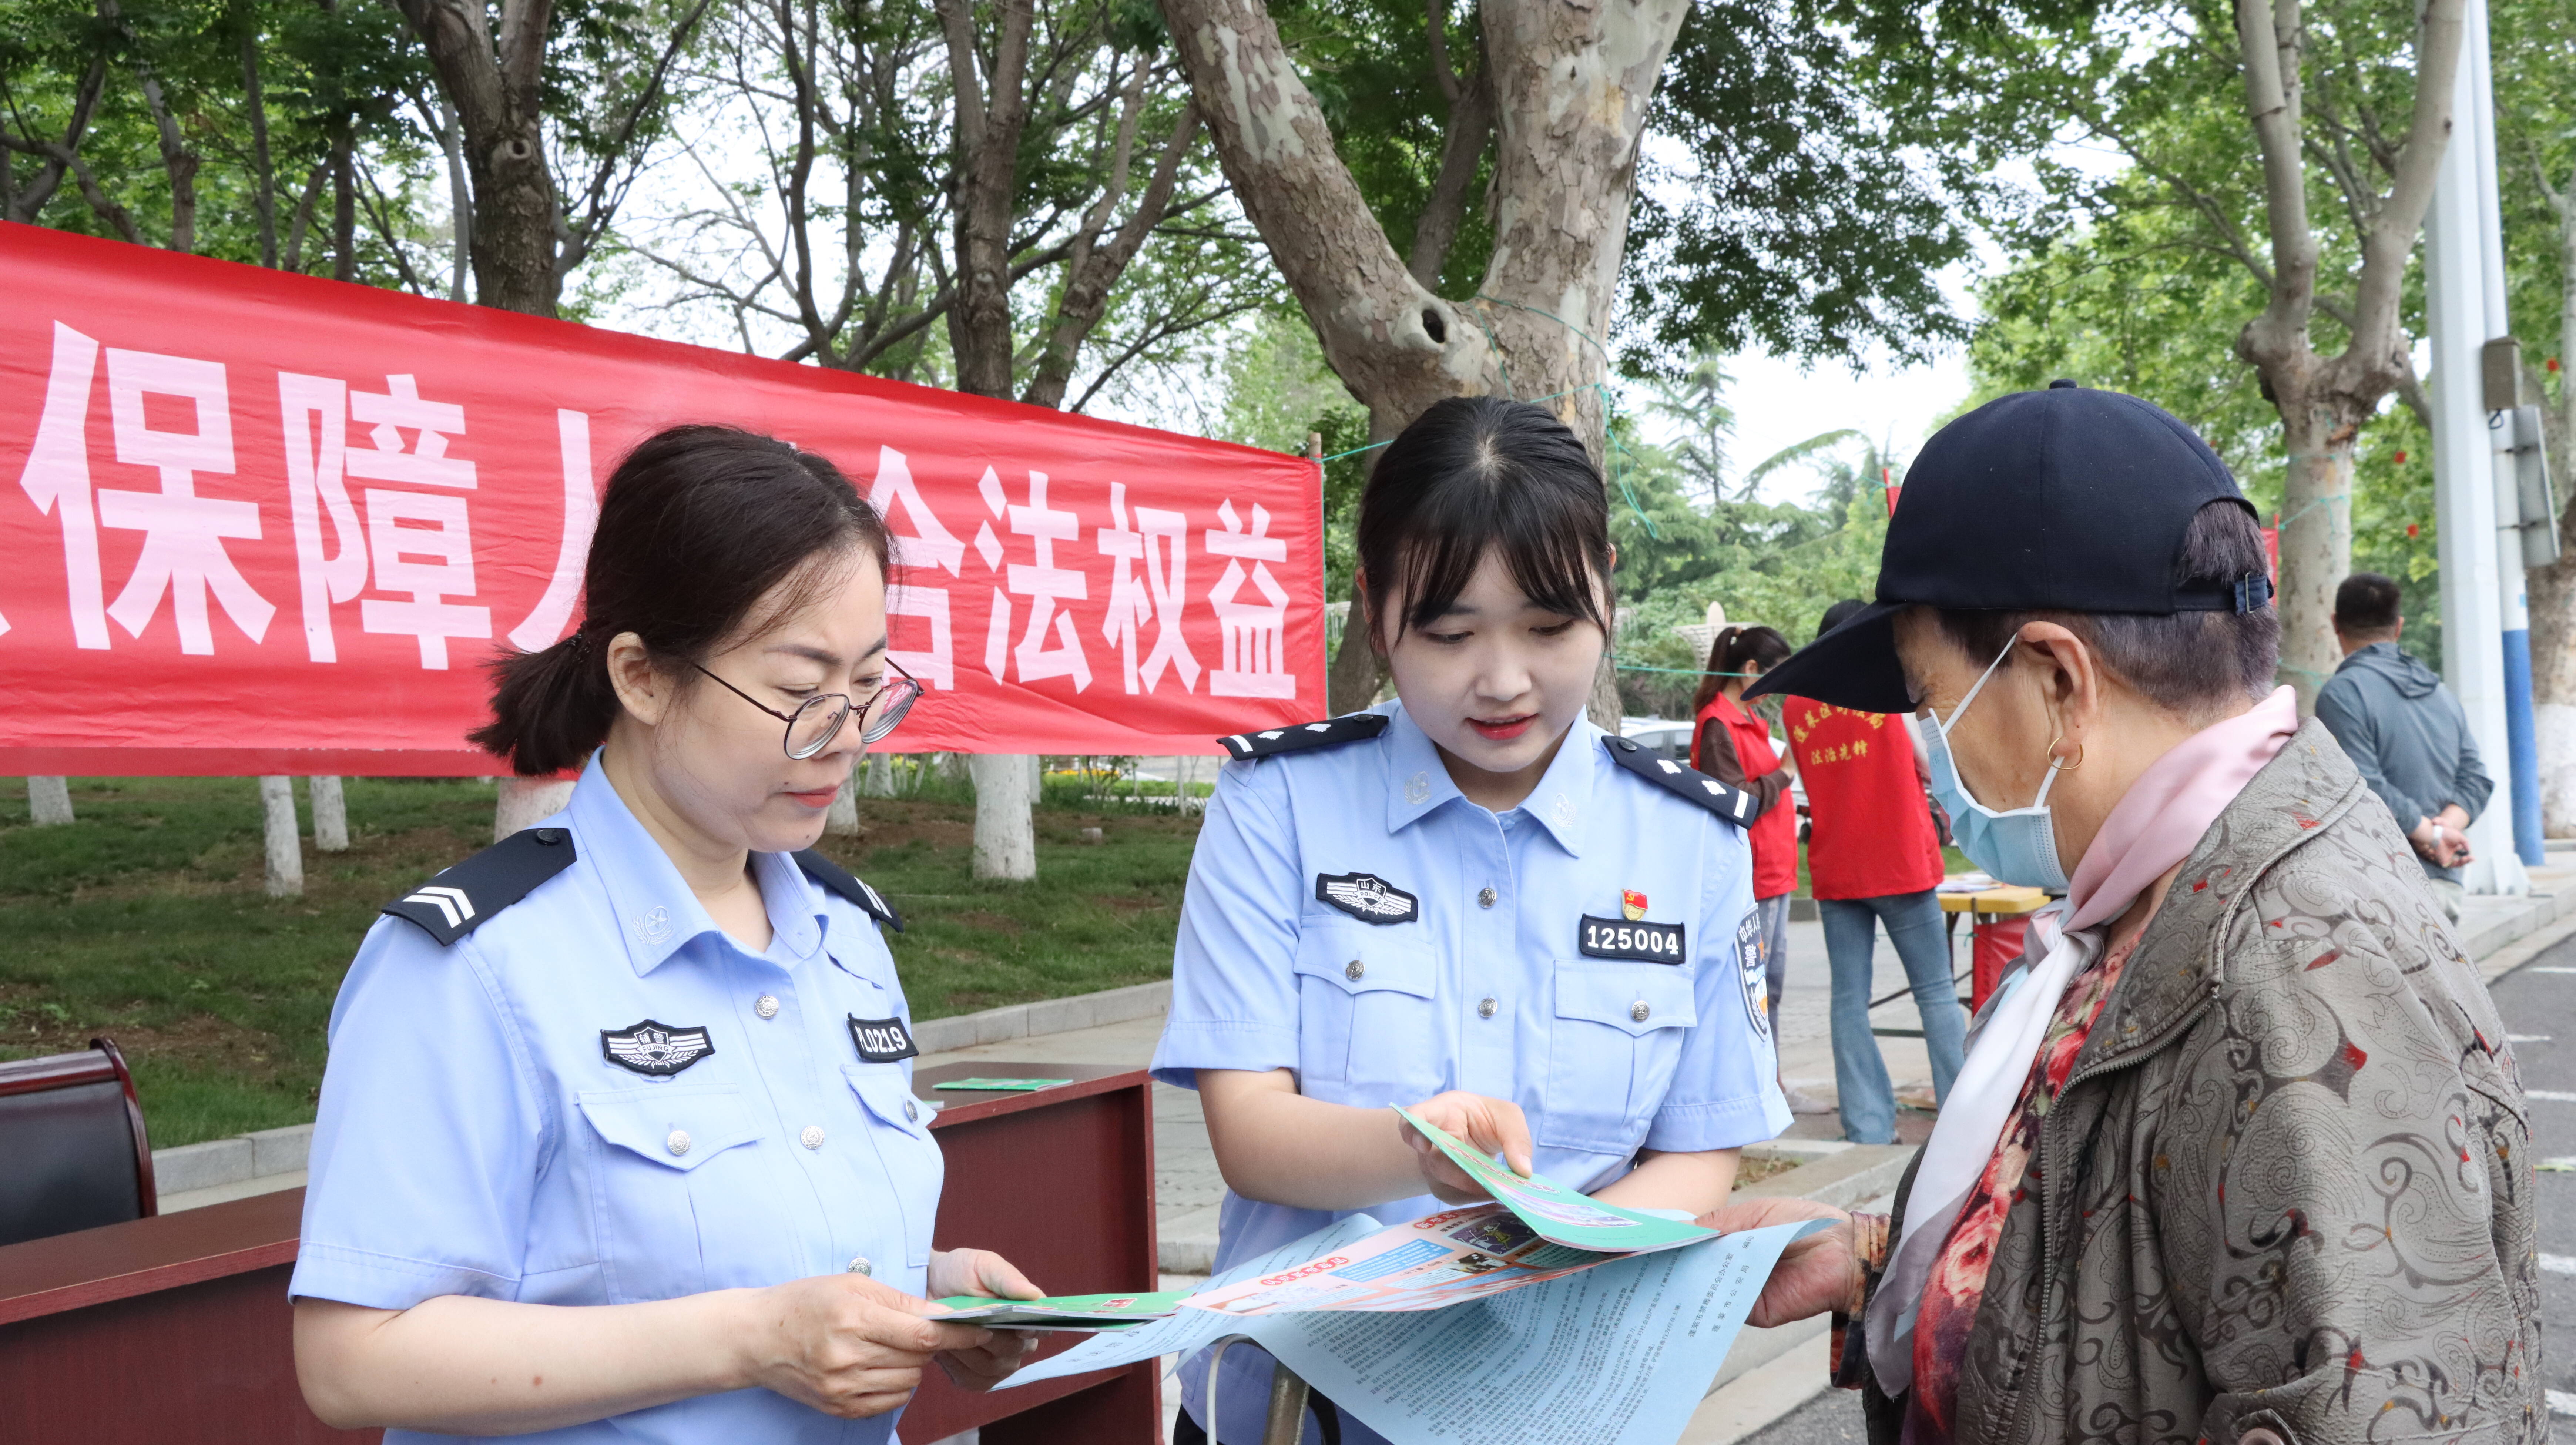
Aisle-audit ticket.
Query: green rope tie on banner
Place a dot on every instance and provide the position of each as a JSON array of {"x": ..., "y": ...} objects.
[{"x": 1675, "y": 671}]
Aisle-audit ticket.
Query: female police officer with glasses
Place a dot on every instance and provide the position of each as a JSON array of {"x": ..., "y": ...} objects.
[{"x": 617, "y": 1139}]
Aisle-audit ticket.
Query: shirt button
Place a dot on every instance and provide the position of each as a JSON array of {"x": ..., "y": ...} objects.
[
  {"x": 1639, "y": 1011},
  {"x": 812, "y": 1138},
  {"x": 1486, "y": 1009},
  {"x": 911, "y": 1112},
  {"x": 678, "y": 1143},
  {"x": 1354, "y": 971},
  {"x": 859, "y": 1265},
  {"x": 1485, "y": 899},
  {"x": 766, "y": 1006}
]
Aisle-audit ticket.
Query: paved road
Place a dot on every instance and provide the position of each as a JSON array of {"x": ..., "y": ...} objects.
[{"x": 2538, "y": 1001}]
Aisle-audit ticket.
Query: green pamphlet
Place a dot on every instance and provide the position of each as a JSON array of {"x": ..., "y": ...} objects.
[
  {"x": 1002, "y": 1086},
  {"x": 1558, "y": 1214},
  {"x": 1062, "y": 1312}
]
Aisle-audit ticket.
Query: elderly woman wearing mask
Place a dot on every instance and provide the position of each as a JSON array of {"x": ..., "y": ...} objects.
[{"x": 2239, "y": 1154}]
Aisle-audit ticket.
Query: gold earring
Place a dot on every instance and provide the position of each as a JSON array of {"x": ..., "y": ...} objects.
[{"x": 2063, "y": 765}]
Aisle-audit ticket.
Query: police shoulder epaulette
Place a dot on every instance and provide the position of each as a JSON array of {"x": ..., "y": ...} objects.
[
  {"x": 1348, "y": 728},
  {"x": 1733, "y": 804},
  {"x": 846, "y": 883},
  {"x": 460, "y": 898}
]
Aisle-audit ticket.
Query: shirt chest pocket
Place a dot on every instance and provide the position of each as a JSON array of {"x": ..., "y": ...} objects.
[
  {"x": 1368, "y": 1024},
  {"x": 672, "y": 1168},
  {"x": 914, "y": 1167},
  {"x": 1612, "y": 1047}
]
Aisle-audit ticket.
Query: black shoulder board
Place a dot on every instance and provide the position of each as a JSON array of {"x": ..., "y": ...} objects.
[
  {"x": 842, "y": 881},
  {"x": 1733, "y": 804},
  {"x": 1348, "y": 728},
  {"x": 462, "y": 897}
]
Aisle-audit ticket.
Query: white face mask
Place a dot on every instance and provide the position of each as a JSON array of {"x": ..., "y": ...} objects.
[{"x": 2014, "y": 845}]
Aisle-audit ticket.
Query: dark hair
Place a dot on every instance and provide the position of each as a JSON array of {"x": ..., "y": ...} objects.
[
  {"x": 1734, "y": 647},
  {"x": 2366, "y": 604},
  {"x": 2183, "y": 661},
  {"x": 1479, "y": 473},
  {"x": 698, "y": 524},
  {"x": 1840, "y": 613}
]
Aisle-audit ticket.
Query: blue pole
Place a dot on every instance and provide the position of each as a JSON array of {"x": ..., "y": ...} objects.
[{"x": 2522, "y": 743}]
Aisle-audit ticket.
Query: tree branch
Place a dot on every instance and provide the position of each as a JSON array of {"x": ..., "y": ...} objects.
[
  {"x": 2390, "y": 241},
  {"x": 1462, "y": 150}
]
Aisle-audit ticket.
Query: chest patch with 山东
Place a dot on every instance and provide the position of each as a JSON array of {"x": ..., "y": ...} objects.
[
  {"x": 1637, "y": 942},
  {"x": 657, "y": 1050},
  {"x": 1367, "y": 897},
  {"x": 882, "y": 1041}
]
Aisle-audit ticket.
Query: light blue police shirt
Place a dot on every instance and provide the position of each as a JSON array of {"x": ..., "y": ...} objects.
[
  {"x": 1492, "y": 982},
  {"x": 476, "y": 1137}
]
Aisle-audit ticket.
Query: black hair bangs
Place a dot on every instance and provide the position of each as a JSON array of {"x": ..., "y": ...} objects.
[
  {"x": 1479, "y": 475},
  {"x": 1540, "y": 540}
]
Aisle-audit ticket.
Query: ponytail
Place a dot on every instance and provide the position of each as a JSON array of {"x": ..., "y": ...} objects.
[
  {"x": 1734, "y": 651},
  {"x": 704, "y": 532},
  {"x": 1710, "y": 683},
  {"x": 549, "y": 707}
]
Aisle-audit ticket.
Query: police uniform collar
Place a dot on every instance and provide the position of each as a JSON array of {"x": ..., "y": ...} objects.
[
  {"x": 657, "y": 912},
  {"x": 1417, "y": 782}
]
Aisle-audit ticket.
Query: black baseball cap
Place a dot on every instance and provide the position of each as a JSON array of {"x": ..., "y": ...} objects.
[{"x": 2068, "y": 499}]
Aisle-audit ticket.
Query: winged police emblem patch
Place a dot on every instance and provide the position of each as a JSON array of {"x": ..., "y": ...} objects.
[
  {"x": 655, "y": 1049},
  {"x": 1367, "y": 897}
]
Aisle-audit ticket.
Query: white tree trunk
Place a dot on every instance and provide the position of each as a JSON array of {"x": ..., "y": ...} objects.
[
  {"x": 843, "y": 820},
  {"x": 2316, "y": 553},
  {"x": 878, "y": 780},
  {"x": 525, "y": 800},
  {"x": 49, "y": 801},
  {"x": 330, "y": 815},
  {"x": 1006, "y": 845},
  {"x": 285, "y": 844}
]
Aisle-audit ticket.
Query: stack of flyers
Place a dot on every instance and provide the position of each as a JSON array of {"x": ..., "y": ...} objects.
[
  {"x": 1559, "y": 1214},
  {"x": 1061, "y": 1312},
  {"x": 1430, "y": 1263}
]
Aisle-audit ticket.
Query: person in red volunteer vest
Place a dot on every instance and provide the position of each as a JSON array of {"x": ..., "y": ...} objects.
[
  {"x": 1732, "y": 745},
  {"x": 1872, "y": 859}
]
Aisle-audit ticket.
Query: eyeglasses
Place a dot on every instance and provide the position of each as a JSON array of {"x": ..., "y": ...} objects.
[{"x": 811, "y": 728}]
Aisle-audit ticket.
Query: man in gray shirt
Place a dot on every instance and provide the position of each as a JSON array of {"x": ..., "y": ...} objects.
[{"x": 2404, "y": 731}]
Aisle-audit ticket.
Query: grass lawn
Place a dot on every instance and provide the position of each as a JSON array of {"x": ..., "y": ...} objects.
[{"x": 146, "y": 921}]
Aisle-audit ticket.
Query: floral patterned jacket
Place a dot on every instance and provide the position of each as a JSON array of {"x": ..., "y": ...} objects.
[{"x": 2285, "y": 1195}]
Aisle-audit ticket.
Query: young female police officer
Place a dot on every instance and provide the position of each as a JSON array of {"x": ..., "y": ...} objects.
[
  {"x": 1470, "y": 901},
  {"x": 648, "y": 1057}
]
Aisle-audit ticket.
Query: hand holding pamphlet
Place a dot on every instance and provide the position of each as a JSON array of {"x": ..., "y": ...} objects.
[
  {"x": 1061, "y": 1312},
  {"x": 1559, "y": 1214}
]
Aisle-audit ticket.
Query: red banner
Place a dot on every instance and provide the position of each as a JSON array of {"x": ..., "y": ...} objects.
[{"x": 270, "y": 524}]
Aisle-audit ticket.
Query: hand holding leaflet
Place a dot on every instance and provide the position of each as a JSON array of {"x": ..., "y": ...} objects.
[
  {"x": 1190, "y": 1330},
  {"x": 1557, "y": 1213},
  {"x": 1061, "y": 1312}
]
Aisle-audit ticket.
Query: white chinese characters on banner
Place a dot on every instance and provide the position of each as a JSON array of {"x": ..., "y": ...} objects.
[
  {"x": 1254, "y": 635},
  {"x": 1040, "y": 580},
  {"x": 1160, "y": 540},
  {"x": 929, "y": 544},
  {"x": 415, "y": 542},
  {"x": 182, "y": 556},
  {"x": 382, "y": 497}
]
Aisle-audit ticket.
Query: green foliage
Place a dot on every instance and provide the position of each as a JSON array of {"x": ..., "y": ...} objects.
[
  {"x": 1368, "y": 64},
  {"x": 2150, "y": 275},
  {"x": 1277, "y": 390}
]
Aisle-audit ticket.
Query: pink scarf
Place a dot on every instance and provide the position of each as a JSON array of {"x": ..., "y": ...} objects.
[
  {"x": 2154, "y": 826},
  {"x": 2157, "y": 823}
]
